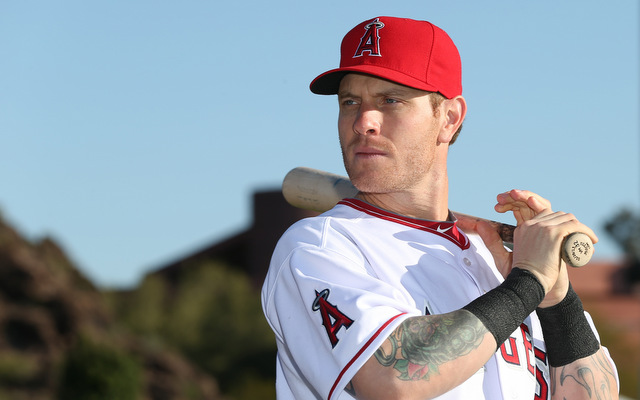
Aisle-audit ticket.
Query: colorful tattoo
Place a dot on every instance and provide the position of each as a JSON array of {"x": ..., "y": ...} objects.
[{"x": 420, "y": 345}]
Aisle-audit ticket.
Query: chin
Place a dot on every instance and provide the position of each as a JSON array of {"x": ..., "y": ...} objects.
[
  {"x": 372, "y": 183},
  {"x": 373, "y": 177}
]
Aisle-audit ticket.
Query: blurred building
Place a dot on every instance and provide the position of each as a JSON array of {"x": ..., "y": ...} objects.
[{"x": 249, "y": 249}]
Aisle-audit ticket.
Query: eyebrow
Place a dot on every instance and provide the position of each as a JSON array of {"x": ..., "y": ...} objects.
[
  {"x": 384, "y": 93},
  {"x": 345, "y": 93}
]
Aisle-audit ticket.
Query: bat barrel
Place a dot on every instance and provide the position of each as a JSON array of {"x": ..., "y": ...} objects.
[{"x": 315, "y": 190}]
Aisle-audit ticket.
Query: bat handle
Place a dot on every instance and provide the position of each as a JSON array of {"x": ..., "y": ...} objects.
[{"x": 576, "y": 249}]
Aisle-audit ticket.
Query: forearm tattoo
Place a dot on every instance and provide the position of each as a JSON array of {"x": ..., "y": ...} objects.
[
  {"x": 593, "y": 376},
  {"x": 420, "y": 345}
]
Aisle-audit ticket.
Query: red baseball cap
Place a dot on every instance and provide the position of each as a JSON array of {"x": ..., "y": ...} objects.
[{"x": 413, "y": 53}]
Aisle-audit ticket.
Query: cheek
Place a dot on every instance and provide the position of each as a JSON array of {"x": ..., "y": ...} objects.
[
  {"x": 345, "y": 130},
  {"x": 344, "y": 123}
]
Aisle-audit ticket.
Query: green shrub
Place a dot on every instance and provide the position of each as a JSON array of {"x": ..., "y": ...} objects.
[
  {"x": 99, "y": 372},
  {"x": 216, "y": 320},
  {"x": 210, "y": 313},
  {"x": 17, "y": 368}
]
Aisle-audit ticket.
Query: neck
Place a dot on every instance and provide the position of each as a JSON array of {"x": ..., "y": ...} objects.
[{"x": 428, "y": 200}]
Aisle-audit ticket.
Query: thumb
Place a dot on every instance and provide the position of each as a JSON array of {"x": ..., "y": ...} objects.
[
  {"x": 490, "y": 237},
  {"x": 485, "y": 230},
  {"x": 493, "y": 241}
]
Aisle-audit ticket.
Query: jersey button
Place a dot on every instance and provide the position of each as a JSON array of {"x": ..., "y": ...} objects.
[{"x": 467, "y": 262}]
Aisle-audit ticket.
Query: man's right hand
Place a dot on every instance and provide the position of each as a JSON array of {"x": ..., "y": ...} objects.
[{"x": 538, "y": 239}]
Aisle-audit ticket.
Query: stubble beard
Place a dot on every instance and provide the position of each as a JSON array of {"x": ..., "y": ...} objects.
[{"x": 391, "y": 174}]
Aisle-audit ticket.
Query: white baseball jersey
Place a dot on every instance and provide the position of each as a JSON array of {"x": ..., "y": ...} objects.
[{"x": 340, "y": 283}]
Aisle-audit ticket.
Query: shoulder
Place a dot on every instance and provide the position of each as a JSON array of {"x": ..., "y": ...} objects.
[
  {"x": 313, "y": 247},
  {"x": 318, "y": 241},
  {"x": 320, "y": 231}
]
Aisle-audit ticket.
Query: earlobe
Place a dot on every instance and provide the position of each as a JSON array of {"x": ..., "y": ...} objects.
[{"x": 455, "y": 112}]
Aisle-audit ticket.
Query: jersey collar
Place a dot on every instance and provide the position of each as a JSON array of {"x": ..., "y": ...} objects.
[{"x": 446, "y": 229}]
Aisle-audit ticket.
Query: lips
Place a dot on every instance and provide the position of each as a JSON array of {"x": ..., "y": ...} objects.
[{"x": 367, "y": 151}]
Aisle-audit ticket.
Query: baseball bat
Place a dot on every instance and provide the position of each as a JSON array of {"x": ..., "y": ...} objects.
[{"x": 319, "y": 191}]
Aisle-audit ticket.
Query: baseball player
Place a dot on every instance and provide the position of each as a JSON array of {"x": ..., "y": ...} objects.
[{"x": 389, "y": 295}]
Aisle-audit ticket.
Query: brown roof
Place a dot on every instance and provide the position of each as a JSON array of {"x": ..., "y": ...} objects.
[{"x": 602, "y": 295}]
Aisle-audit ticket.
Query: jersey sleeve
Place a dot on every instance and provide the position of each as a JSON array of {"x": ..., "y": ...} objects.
[{"x": 329, "y": 313}]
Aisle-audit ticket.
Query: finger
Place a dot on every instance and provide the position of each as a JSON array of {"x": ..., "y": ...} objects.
[
  {"x": 526, "y": 195},
  {"x": 567, "y": 223},
  {"x": 494, "y": 243},
  {"x": 511, "y": 201},
  {"x": 490, "y": 237},
  {"x": 466, "y": 224},
  {"x": 487, "y": 231},
  {"x": 523, "y": 211},
  {"x": 523, "y": 203},
  {"x": 513, "y": 207},
  {"x": 517, "y": 197},
  {"x": 514, "y": 196}
]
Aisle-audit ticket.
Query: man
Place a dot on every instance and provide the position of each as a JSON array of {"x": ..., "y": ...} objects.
[{"x": 387, "y": 296}]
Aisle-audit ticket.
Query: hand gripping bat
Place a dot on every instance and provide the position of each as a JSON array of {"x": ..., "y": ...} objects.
[{"x": 316, "y": 190}]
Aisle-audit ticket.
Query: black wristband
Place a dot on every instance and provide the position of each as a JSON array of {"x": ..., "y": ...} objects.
[
  {"x": 504, "y": 308},
  {"x": 567, "y": 333}
]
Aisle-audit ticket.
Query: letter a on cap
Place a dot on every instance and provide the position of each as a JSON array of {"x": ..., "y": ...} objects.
[{"x": 371, "y": 40}]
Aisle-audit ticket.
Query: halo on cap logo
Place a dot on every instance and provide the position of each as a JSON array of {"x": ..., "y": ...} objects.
[{"x": 370, "y": 42}]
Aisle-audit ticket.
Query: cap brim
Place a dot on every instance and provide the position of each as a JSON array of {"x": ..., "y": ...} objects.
[{"x": 329, "y": 82}]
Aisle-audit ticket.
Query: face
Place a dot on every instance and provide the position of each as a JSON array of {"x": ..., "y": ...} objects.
[{"x": 388, "y": 134}]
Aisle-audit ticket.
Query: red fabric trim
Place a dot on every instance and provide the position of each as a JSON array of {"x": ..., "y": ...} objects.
[
  {"x": 446, "y": 229},
  {"x": 366, "y": 345}
]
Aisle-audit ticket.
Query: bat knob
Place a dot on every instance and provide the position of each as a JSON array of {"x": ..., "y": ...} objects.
[{"x": 577, "y": 249}]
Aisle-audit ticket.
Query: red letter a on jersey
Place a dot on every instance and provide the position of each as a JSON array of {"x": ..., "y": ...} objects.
[{"x": 332, "y": 318}]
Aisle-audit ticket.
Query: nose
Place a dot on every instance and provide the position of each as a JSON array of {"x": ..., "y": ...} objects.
[{"x": 367, "y": 122}]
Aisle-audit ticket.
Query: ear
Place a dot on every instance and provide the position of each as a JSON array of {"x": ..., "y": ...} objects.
[{"x": 454, "y": 111}]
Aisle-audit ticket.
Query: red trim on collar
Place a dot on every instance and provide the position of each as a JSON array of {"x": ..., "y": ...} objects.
[{"x": 446, "y": 229}]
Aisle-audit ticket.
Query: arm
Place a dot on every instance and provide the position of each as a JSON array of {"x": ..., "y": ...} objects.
[
  {"x": 579, "y": 366},
  {"x": 425, "y": 357},
  {"x": 592, "y": 377},
  {"x": 430, "y": 355},
  {"x": 456, "y": 347}
]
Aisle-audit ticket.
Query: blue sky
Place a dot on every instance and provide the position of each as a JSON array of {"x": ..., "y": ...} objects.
[{"x": 135, "y": 132}]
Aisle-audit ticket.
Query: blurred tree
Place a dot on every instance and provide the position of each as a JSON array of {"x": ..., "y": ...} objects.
[
  {"x": 624, "y": 227},
  {"x": 95, "y": 371},
  {"x": 212, "y": 314},
  {"x": 217, "y": 320}
]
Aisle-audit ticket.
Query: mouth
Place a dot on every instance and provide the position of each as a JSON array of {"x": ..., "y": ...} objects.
[{"x": 369, "y": 152}]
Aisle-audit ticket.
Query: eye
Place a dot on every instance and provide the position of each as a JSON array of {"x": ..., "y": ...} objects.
[
  {"x": 390, "y": 100},
  {"x": 348, "y": 102}
]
